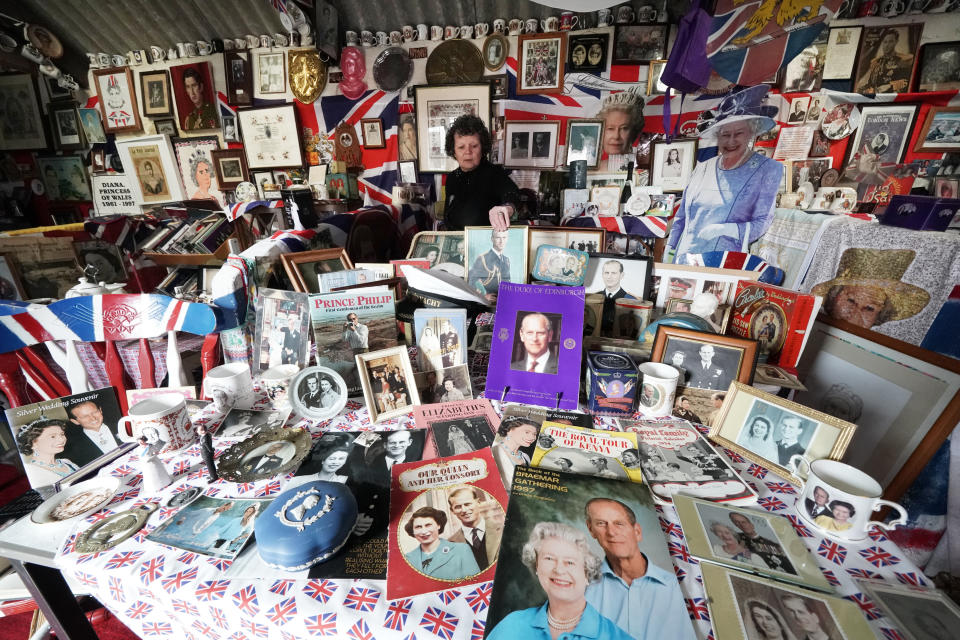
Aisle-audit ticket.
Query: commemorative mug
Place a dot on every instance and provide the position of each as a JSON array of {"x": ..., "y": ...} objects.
[
  {"x": 166, "y": 414},
  {"x": 515, "y": 26},
  {"x": 500, "y": 26},
  {"x": 157, "y": 53},
  {"x": 586, "y": 20},
  {"x": 657, "y": 389},
  {"x": 218, "y": 45},
  {"x": 450, "y": 32},
  {"x": 646, "y": 13},
  {"x": 351, "y": 38},
  {"x": 252, "y": 41},
  {"x": 423, "y": 32},
  {"x": 204, "y": 48},
  {"x": 396, "y": 38},
  {"x": 130, "y": 59},
  {"x": 229, "y": 44},
  {"x": 604, "y": 17},
  {"x": 280, "y": 40},
  {"x": 625, "y": 14},
  {"x": 117, "y": 59},
  {"x": 275, "y": 382},
  {"x": 568, "y": 20},
  {"x": 182, "y": 49},
  {"x": 383, "y": 38},
  {"x": 466, "y": 31},
  {"x": 367, "y": 38},
  {"x": 94, "y": 62},
  {"x": 408, "y": 32},
  {"x": 436, "y": 32},
  {"x": 266, "y": 41},
  {"x": 103, "y": 59},
  {"x": 550, "y": 23},
  {"x": 172, "y": 53},
  {"x": 229, "y": 386},
  {"x": 481, "y": 29},
  {"x": 530, "y": 25},
  {"x": 837, "y": 499}
]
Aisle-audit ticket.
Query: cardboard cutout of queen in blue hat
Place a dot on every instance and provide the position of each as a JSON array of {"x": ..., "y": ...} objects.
[{"x": 730, "y": 198}]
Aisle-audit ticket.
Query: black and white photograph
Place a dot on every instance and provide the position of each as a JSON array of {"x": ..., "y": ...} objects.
[
  {"x": 939, "y": 67},
  {"x": 706, "y": 365},
  {"x": 462, "y": 435},
  {"x": 691, "y": 462},
  {"x": 217, "y": 527},
  {"x": 766, "y": 611},
  {"x": 588, "y": 52},
  {"x": 445, "y": 385},
  {"x": 672, "y": 163},
  {"x": 155, "y": 93},
  {"x": 798, "y": 110},
  {"x": 815, "y": 110},
  {"x": 536, "y": 343},
  {"x": 268, "y": 458},
  {"x": 583, "y": 141},
  {"x": 104, "y": 258},
  {"x": 776, "y": 433},
  {"x": 239, "y": 78},
  {"x": 885, "y": 58},
  {"x": 923, "y": 613},
  {"x": 243, "y": 423},
  {"x": 271, "y": 73},
  {"x": 884, "y": 132},
  {"x": 531, "y": 144},
  {"x": 318, "y": 393},
  {"x": 282, "y": 329},
  {"x": 165, "y": 127},
  {"x": 230, "y": 131}
]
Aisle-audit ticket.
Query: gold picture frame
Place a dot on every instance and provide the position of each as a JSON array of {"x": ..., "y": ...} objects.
[
  {"x": 306, "y": 281},
  {"x": 237, "y": 464},
  {"x": 386, "y": 401},
  {"x": 821, "y": 435}
]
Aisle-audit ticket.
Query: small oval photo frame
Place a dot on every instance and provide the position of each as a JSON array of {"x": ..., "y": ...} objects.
[{"x": 308, "y": 401}]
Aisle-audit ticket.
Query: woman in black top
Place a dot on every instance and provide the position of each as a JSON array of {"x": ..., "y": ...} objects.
[{"x": 478, "y": 192}]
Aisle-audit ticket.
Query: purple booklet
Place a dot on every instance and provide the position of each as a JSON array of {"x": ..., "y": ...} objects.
[{"x": 536, "y": 346}]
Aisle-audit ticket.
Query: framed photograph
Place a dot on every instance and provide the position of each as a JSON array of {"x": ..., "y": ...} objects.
[
  {"x": 495, "y": 257},
  {"x": 406, "y": 137},
  {"x": 686, "y": 281},
  {"x": 747, "y": 539},
  {"x": 387, "y": 380},
  {"x": 706, "y": 360},
  {"x": 531, "y": 143},
  {"x": 718, "y": 320},
  {"x": 271, "y": 137},
  {"x": 194, "y": 95},
  {"x": 941, "y": 131},
  {"x": 104, "y": 257},
  {"x": 619, "y": 277},
  {"x": 654, "y": 86},
  {"x": 155, "y": 95},
  {"x": 271, "y": 73},
  {"x": 269, "y": 452},
  {"x": 239, "y": 78},
  {"x": 408, "y": 171},
  {"x": 436, "y": 109},
  {"x": 500, "y": 86},
  {"x": 814, "y": 113},
  {"x": 231, "y": 167},
  {"x": 372, "y": 133},
  {"x": 495, "y": 50},
  {"x": 742, "y": 606},
  {"x": 798, "y": 110},
  {"x": 938, "y": 67},
  {"x": 166, "y": 127},
  {"x": 672, "y": 163},
  {"x": 640, "y": 44},
  {"x": 920, "y": 613},
  {"x": 65, "y": 124},
  {"x": 118, "y": 100},
  {"x": 541, "y": 61},
  {"x": 318, "y": 393},
  {"x": 770, "y": 430},
  {"x": 197, "y": 168},
  {"x": 946, "y": 187},
  {"x": 11, "y": 287},
  {"x": 22, "y": 125},
  {"x": 243, "y": 423},
  {"x": 54, "y": 90},
  {"x": 442, "y": 249},
  {"x": 810, "y": 170},
  {"x": 842, "y": 46},
  {"x": 805, "y": 71},
  {"x": 441, "y": 336},
  {"x": 266, "y": 185},
  {"x": 589, "y": 240},
  {"x": 230, "y": 130},
  {"x": 884, "y": 131},
  {"x": 583, "y": 141},
  {"x": 282, "y": 329},
  {"x": 65, "y": 178},
  {"x": 303, "y": 267},
  {"x": 905, "y": 399},
  {"x": 588, "y": 52},
  {"x": 92, "y": 128},
  {"x": 432, "y": 385},
  {"x": 886, "y": 57}
]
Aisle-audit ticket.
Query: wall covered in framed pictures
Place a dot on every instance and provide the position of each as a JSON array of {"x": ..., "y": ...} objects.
[{"x": 436, "y": 109}]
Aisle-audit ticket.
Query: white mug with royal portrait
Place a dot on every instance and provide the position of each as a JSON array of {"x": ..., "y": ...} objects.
[
  {"x": 837, "y": 499},
  {"x": 436, "y": 32},
  {"x": 229, "y": 386},
  {"x": 549, "y": 24},
  {"x": 275, "y": 382},
  {"x": 604, "y": 17},
  {"x": 351, "y": 38},
  {"x": 166, "y": 414},
  {"x": 515, "y": 26},
  {"x": 530, "y": 25},
  {"x": 500, "y": 26},
  {"x": 657, "y": 389}
]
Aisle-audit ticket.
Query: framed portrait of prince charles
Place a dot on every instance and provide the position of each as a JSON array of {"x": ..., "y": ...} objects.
[{"x": 493, "y": 257}]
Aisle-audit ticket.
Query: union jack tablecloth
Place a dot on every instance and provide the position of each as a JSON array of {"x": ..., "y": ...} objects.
[{"x": 159, "y": 591}]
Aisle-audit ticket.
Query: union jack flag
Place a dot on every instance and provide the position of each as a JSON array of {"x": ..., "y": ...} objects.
[
  {"x": 116, "y": 588},
  {"x": 218, "y": 616},
  {"x": 697, "y": 608},
  {"x": 245, "y": 487},
  {"x": 911, "y": 577},
  {"x": 757, "y": 471},
  {"x": 205, "y": 629},
  {"x": 397, "y": 613},
  {"x": 799, "y": 527},
  {"x": 831, "y": 577},
  {"x": 476, "y": 631},
  {"x": 681, "y": 574},
  {"x": 280, "y": 587},
  {"x": 166, "y": 512},
  {"x": 184, "y": 607},
  {"x": 139, "y": 610},
  {"x": 448, "y": 596},
  {"x": 179, "y": 579},
  {"x": 832, "y": 551},
  {"x": 103, "y": 514},
  {"x": 748, "y": 43},
  {"x": 891, "y": 634},
  {"x": 157, "y": 628},
  {"x": 123, "y": 559},
  {"x": 734, "y": 456},
  {"x": 863, "y": 574},
  {"x": 255, "y": 629},
  {"x": 181, "y": 467},
  {"x": 197, "y": 475},
  {"x": 86, "y": 579},
  {"x": 780, "y": 487},
  {"x": 361, "y": 599},
  {"x": 671, "y": 529},
  {"x": 877, "y": 535},
  {"x": 439, "y": 622},
  {"x": 151, "y": 570},
  {"x": 772, "y": 504},
  {"x": 236, "y": 635},
  {"x": 141, "y": 535},
  {"x": 212, "y": 590},
  {"x": 283, "y": 611},
  {"x": 320, "y": 590},
  {"x": 479, "y": 598},
  {"x": 126, "y": 495},
  {"x": 360, "y": 631},
  {"x": 122, "y": 470},
  {"x": 878, "y": 557},
  {"x": 222, "y": 564},
  {"x": 324, "y": 624},
  {"x": 866, "y": 605},
  {"x": 680, "y": 552},
  {"x": 246, "y": 600},
  {"x": 268, "y": 489},
  {"x": 187, "y": 557}
]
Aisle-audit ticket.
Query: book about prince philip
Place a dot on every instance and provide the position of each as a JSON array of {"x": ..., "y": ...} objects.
[
  {"x": 561, "y": 529},
  {"x": 536, "y": 345},
  {"x": 446, "y": 521}
]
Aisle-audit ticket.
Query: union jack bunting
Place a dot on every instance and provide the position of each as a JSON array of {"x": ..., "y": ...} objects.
[
  {"x": 320, "y": 590},
  {"x": 322, "y": 625},
  {"x": 283, "y": 612},
  {"x": 361, "y": 599},
  {"x": 151, "y": 570},
  {"x": 878, "y": 557},
  {"x": 697, "y": 608},
  {"x": 138, "y": 610},
  {"x": 280, "y": 587},
  {"x": 866, "y": 605},
  {"x": 246, "y": 600},
  {"x": 479, "y": 598},
  {"x": 179, "y": 579},
  {"x": 439, "y": 622},
  {"x": 448, "y": 596},
  {"x": 832, "y": 551},
  {"x": 123, "y": 559},
  {"x": 360, "y": 631},
  {"x": 397, "y": 613},
  {"x": 157, "y": 628},
  {"x": 211, "y": 590}
]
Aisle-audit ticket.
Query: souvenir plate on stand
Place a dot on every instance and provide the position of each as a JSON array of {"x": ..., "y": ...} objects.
[
  {"x": 840, "y": 121},
  {"x": 77, "y": 500},
  {"x": 845, "y": 201},
  {"x": 313, "y": 399},
  {"x": 268, "y": 453},
  {"x": 638, "y": 204},
  {"x": 454, "y": 62},
  {"x": 392, "y": 69},
  {"x": 111, "y": 531},
  {"x": 246, "y": 192}
]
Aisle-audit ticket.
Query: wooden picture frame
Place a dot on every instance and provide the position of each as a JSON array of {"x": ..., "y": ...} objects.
[
  {"x": 696, "y": 279},
  {"x": 372, "y": 130},
  {"x": 376, "y": 361},
  {"x": 632, "y": 45},
  {"x": 495, "y": 50},
  {"x": 156, "y": 100},
  {"x": 118, "y": 100},
  {"x": 946, "y": 78},
  {"x": 716, "y": 377},
  {"x": 882, "y": 137},
  {"x": 20, "y": 89},
  {"x": 163, "y": 183},
  {"x": 947, "y": 144},
  {"x": 269, "y": 84},
  {"x": 745, "y": 407},
  {"x": 68, "y": 133},
  {"x": 305, "y": 281},
  {"x": 592, "y": 132},
  {"x": 436, "y": 108},
  {"x": 531, "y": 144},
  {"x": 239, "y": 76},
  {"x": 231, "y": 167},
  {"x": 261, "y": 148},
  {"x": 541, "y": 58},
  {"x": 661, "y": 153},
  {"x": 11, "y": 286},
  {"x": 870, "y": 49},
  {"x": 895, "y": 448},
  {"x": 166, "y": 127},
  {"x": 588, "y": 52}
]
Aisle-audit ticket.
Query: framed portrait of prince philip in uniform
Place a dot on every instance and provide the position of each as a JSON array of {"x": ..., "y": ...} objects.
[{"x": 493, "y": 257}]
